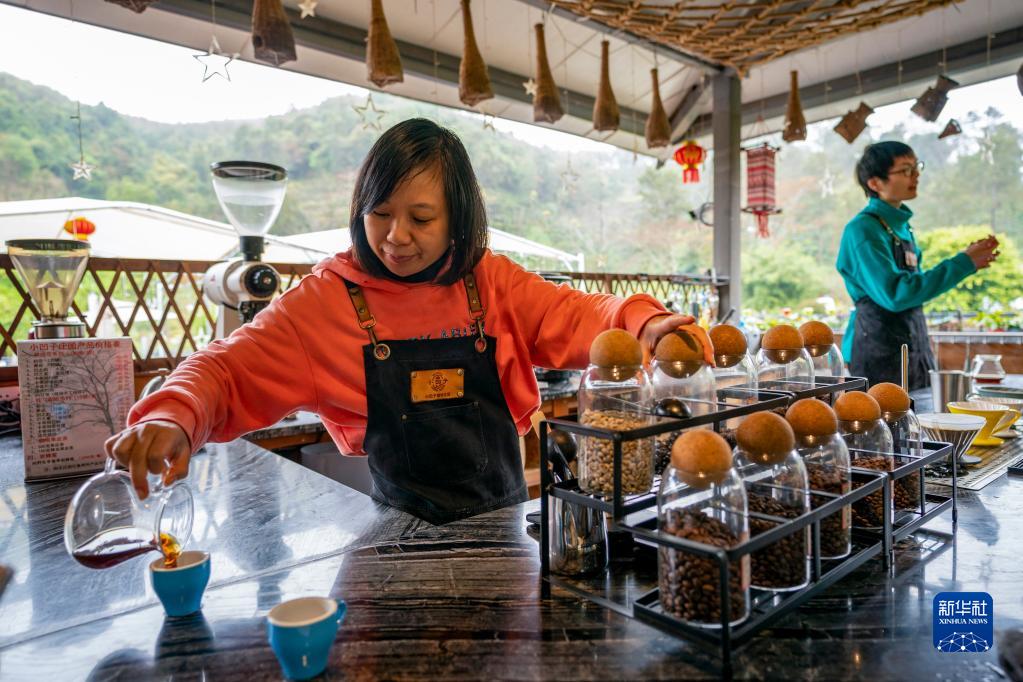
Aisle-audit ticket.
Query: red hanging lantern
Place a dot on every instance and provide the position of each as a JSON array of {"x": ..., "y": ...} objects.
[
  {"x": 80, "y": 228},
  {"x": 760, "y": 185},
  {"x": 690, "y": 155}
]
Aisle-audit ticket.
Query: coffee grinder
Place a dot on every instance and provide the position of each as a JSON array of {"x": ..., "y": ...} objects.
[
  {"x": 75, "y": 391},
  {"x": 52, "y": 269},
  {"x": 251, "y": 193}
]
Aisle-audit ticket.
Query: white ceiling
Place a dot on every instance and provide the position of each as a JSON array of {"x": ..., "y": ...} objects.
[{"x": 505, "y": 36}]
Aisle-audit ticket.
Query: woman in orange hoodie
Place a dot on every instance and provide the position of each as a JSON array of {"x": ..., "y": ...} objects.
[{"x": 416, "y": 347}]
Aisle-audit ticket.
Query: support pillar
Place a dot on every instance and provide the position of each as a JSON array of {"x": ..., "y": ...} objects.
[{"x": 726, "y": 126}]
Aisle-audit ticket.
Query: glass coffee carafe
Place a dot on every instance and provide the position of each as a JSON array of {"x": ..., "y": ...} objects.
[
  {"x": 987, "y": 369},
  {"x": 107, "y": 523}
]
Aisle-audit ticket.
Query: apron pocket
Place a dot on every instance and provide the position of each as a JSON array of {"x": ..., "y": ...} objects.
[{"x": 445, "y": 445}]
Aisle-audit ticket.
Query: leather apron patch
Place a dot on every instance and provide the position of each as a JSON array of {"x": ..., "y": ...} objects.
[{"x": 437, "y": 384}]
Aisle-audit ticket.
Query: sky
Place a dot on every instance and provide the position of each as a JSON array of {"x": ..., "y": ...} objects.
[{"x": 97, "y": 65}]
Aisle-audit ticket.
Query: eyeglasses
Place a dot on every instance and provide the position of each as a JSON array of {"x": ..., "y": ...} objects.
[{"x": 909, "y": 171}]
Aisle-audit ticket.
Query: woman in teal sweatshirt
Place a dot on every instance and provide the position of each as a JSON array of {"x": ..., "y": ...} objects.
[{"x": 883, "y": 270}]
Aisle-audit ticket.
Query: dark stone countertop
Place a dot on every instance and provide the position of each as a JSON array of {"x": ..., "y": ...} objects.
[
  {"x": 562, "y": 389},
  {"x": 460, "y": 601},
  {"x": 302, "y": 423}
]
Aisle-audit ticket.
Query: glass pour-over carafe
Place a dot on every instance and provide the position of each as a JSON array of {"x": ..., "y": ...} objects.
[{"x": 107, "y": 523}]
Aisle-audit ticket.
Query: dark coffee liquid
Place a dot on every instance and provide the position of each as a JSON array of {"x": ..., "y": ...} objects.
[{"x": 112, "y": 547}]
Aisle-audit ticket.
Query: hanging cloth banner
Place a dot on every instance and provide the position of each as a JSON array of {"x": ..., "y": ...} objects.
[{"x": 760, "y": 185}]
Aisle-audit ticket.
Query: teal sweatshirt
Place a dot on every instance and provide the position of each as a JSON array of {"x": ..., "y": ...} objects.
[{"x": 867, "y": 264}]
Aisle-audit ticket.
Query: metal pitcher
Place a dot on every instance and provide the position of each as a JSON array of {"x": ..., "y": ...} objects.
[{"x": 578, "y": 534}]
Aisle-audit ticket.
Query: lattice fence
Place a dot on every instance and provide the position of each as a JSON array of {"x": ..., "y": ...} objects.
[
  {"x": 159, "y": 303},
  {"x": 682, "y": 291}
]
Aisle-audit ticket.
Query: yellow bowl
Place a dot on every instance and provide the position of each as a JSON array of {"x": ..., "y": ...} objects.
[{"x": 997, "y": 418}]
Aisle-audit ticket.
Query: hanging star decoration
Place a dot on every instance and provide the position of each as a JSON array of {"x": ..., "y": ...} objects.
[
  {"x": 827, "y": 183},
  {"x": 369, "y": 114},
  {"x": 308, "y": 8},
  {"x": 214, "y": 61},
  {"x": 530, "y": 87},
  {"x": 569, "y": 178},
  {"x": 82, "y": 170}
]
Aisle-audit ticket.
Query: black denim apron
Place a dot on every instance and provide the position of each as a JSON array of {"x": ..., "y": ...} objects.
[
  {"x": 878, "y": 333},
  {"x": 454, "y": 453}
]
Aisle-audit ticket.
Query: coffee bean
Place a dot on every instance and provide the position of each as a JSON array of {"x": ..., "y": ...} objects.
[
  {"x": 869, "y": 512},
  {"x": 782, "y": 564},
  {"x": 689, "y": 583},
  {"x": 907, "y": 492},
  {"x": 836, "y": 527},
  {"x": 596, "y": 458}
]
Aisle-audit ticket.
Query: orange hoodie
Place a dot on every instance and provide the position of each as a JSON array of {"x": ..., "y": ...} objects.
[{"x": 304, "y": 351}]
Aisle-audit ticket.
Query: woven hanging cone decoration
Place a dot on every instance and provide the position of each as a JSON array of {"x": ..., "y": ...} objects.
[
  {"x": 137, "y": 6},
  {"x": 605, "y": 109},
  {"x": 951, "y": 128},
  {"x": 795, "y": 122},
  {"x": 854, "y": 122},
  {"x": 473, "y": 81},
  {"x": 271, "y": 33},
  {"x": 546, "y": 101},
  {"x": 658, "y": 129},
  {"x": 383, "y": 63},
  {"x": 930, "y": 104}
]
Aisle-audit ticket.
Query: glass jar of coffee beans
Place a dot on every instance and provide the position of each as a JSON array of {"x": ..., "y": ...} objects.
[
  {"x": 870, "y": 444},
  {"x": 702, "y": 499},
  {"x": 683, "y": 385},
  {"x": 777, "y": 486},
  {"x": 615, "y": 394},
  {"x": 826, "y": 457},
  {"x": 907, "y": 438}
]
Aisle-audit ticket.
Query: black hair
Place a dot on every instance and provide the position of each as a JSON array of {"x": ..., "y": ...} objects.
[
  {"x": 877, "y": 160},
  {"x": 408, "y": 148}
]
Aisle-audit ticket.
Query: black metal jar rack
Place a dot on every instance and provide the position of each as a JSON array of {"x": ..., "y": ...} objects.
[{"x": 629, "y": 515}]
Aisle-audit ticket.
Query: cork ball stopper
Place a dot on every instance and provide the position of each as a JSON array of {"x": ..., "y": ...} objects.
[
  {"x": 782, "y": 337},
  {"x": 701, "y": 457},
  {"x": 890, "y": 397},
  {"x": 811, "y": 417},
  {"x": 817, "y": 338},
  {"x": 679, "y": 354},
  {"x": 728, "y": 340},
  {"x": 729, "y": 345},
  {"x": 816, "y": 333},
  {"x": 857, "y": 406},
  {"x": 765, "y": 437},
  {"x": 616, "y": 348}
]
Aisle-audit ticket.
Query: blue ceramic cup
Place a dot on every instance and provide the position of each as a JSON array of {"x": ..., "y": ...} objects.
[
  {"x": 180, "y": 588},
  {"x": 301, "y": 632}
]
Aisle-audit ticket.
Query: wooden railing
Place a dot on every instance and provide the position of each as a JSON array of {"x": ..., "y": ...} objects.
[{"x": 159, "y": 304}]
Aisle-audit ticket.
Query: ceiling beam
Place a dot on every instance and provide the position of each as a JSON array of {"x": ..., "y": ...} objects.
[
  {"x": 685, "y": 113},
  {"x": 343, "y": 40},
  {"x": 627, "y": 36},
  {"x": 1006, "y": 45}
]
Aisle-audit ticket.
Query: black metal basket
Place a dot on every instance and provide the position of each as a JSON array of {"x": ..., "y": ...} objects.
[{"x": 765, "y": 606}]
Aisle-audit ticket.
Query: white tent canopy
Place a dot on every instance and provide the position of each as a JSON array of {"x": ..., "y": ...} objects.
[
  {"x": 127, "y": 229},
  {"x": 331, "y": 241}
]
